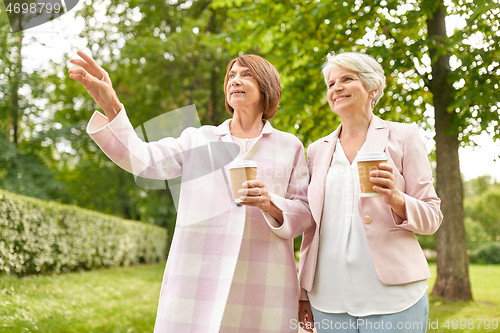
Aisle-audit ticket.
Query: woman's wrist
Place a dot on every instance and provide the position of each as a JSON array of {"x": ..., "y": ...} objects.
[
  {"x": 398, "y": 205},
  {"x": 275, "y": 212},
  {"x": 113, "y": 110}
]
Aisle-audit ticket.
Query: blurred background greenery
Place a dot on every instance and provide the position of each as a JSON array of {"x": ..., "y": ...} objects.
[
  {"x": 163, "y": 55},
  {"x": 482, "y": 222}
]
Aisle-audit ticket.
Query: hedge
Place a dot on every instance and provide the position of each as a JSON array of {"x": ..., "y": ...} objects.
[
  {"x": 42, "y": 237},
  {"x": 488, "y": 253}
]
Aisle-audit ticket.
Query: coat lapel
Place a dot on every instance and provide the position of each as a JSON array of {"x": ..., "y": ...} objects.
[
  {"x": 376, "y": 141},
  {"x": 321, "y": 164},
  {"x": 222, "y": 132},
  {"x": 377, "y": 136}
]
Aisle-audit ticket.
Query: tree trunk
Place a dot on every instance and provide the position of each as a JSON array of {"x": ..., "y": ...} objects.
[
  {"x": 452, "y": 262},
  {"x": 14, "y": 95}
]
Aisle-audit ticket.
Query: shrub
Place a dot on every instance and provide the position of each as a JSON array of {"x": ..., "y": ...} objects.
[
  {"x": 487, "y": 254},
  {"x": 39, "y": 236}
]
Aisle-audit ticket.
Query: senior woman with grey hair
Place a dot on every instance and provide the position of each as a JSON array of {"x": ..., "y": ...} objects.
[{"x": 361, "y": 267}]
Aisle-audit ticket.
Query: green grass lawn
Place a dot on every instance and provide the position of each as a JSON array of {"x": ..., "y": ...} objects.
[
  {"x": 107, "y": 300},
  {"x": 125, "y": 300},
  {"x": 485, "y": 281}
]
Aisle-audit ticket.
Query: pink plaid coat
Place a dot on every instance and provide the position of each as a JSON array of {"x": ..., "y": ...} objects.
[{"x": 230, "y": 269}]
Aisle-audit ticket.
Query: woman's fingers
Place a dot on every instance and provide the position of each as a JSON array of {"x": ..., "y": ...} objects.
[
  {"x": 85, "y": 78},
  {"x": 77, "y": 77},
  {"x": 81, "y": 76},
  {"x": 255, "y": 198},
  {"x": 387, "y": 182},
  {"x": 381, "y": 174},
  {"x": 91, "y": 66},
  {"x": 383, "y": 177},
  {"x": 81, "y": 63},
  {"x": 385, "y": 166},
  {"x": 91, "y": 63},
  {"x": 259, "y": 201},
  {"x": 78, "y": 71},
  {"x": 250, "y": 191},
  {"x": 253, "y": 183},
  {"x": 254, "y": 193}
]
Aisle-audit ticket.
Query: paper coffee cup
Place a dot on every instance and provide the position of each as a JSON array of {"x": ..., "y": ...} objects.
[
  {"x": 368, "y": 162},
  {"x": 240, "y": 172}
]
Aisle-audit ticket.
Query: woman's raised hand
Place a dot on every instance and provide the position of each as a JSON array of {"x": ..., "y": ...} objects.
[{"x": 97, "y": 82}]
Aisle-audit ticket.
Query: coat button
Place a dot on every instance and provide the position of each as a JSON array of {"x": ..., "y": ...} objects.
[{"x": 368, "y": 219}]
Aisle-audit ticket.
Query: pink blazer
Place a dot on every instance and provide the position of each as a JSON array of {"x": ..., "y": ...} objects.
[{"x": 396, "y": 254}]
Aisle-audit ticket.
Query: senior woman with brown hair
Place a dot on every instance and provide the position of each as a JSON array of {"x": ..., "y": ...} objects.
[
  {"x": 361, "y": 267},
  {"x": 233, "y": 269}
]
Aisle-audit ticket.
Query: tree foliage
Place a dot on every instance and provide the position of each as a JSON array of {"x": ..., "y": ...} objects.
[
  {"x": 484, "y": 208},
  {"x": 24, "y": 167},
  {"x": 297, "y": 35},
  {"x": 160, "y": 56}
]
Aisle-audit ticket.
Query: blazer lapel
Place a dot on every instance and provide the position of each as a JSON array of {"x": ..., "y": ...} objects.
[
  {"x": 377, "y": 136},
  {"x": 321, "y": 164},
  {"x": 376, "y": 141}
]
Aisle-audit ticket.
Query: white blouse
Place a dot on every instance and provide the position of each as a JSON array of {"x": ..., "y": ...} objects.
[
  {"x": 245, "y": 145},
  {"x": 345, "y": 279}
]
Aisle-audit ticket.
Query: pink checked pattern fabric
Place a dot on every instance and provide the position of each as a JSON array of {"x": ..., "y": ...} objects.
[{"x": 230, "y": 269}]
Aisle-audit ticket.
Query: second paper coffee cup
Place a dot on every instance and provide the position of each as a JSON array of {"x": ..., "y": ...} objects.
[
  {"x": 240, "y": 172},
  {"x": 368, "y": 162}
]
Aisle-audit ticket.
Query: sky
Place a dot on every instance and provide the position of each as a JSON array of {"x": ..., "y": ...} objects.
[{"x": 61, "y": 36}]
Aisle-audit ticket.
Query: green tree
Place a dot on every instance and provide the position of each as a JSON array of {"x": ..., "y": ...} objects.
[
  {"x": 454, "y": 76},
  {"x": 160, "y": 56},
  {"x": 478, "y": 185},
  {"x": 24, "y": 162},
  {"x": 484, "y": 208},
  {"x": 481, "y": 210}
]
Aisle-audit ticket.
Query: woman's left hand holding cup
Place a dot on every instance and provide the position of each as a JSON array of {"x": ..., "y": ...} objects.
[
  {"x": 254, "y": 193},
  {"x": 384, "y": 176}
]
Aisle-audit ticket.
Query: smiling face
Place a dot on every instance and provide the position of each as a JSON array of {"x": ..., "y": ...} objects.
[
  {"x": 242, "y": 90},
  {"x": 347, "y": 93}
]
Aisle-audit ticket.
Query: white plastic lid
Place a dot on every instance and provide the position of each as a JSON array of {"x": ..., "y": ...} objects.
[
  {"x": 242, "y": 164},
  {"x": 365, "y": 156}
]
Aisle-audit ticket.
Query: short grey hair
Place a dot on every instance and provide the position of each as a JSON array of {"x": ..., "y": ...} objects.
[{"x": 369, "y": 70}]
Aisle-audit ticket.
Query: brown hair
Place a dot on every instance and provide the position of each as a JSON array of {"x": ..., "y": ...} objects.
[{"x": 267, "y": 77}]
